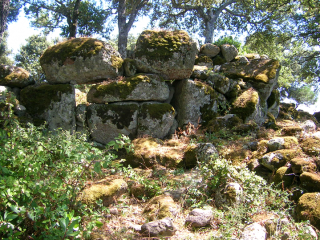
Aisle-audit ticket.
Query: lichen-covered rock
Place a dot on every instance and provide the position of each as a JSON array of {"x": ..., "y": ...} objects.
[
  {"x": 248, "y": 107},
  {"x": 277, "y": 159},
  {"x": 282, "y": 143},
  {"x": 200, "y": 72},
  {"x": 229, "y": 52},
  {"x": 14, "y": 76},
  {"x": 161, "y": 207},
  {"x": 195, "y": 102},
  {"x": 310, "y": 181},
  {"x": 129, "y": 67},
  {"x": 254, "y": 231},
  {"x": 284, "y": 177},
  {"x": 228, "y": 121},
  {"x": 81, "y": 60},
  {"x": 309, "y": 126},
  {"x": 159, "y": 228},
  {"x": 229, "y": 195},
  {"x": 149, "y": 152},
  {"x": 141, "y": 87},
  {"x": 262, "y": 74},
  {"x": 308, "y": 208},
  {"x": 108, "y": 192},
  {"x": 54, "y": 104},
  {"x": 155, "y": 119},
  {"x": 209, "y": 50},
  {"x": 219, "y": 82},
  {"x": 81, "y": 120},
  {"x": 107, "y": 122},
  {"x": 200, "y": 152},
  {"x": 168, "y": 53},
  {"x": 291, "y": 131},
  {"x": 311, "y": 146},
  {"x": 300, "y": 165},
  {"x": 204, "y": 61},
  {"x": 199, "y": 218}
]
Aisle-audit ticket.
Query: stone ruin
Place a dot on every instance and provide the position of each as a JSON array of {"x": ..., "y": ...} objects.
[{"x": 168, "y": 83}]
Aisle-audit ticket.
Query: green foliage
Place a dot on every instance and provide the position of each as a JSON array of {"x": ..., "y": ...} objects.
[
  {"x": 41, "y": 174},
  {"x": 29, "y": 55},
  {"x": 4, "y": 51},
  {"x": 303, "y": 94},
  {"x": 228, "y": 40}
]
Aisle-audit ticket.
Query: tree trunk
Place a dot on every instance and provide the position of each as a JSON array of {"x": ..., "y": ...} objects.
[
  {"x": 123, "y": 31},
  {"x": 208, "y": 34},
  {"x": 4, "y": 11},
  {"x": 74, "y": 21}
]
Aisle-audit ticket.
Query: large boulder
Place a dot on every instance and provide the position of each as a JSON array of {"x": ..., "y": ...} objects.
[
  {"x": 14, "y": 76},
  {"x": 261, "y": 73},
  {"x": 106, "y": 122},
  {"x": 308, "y": 208},
  {"x": 229, "y": 52},
  {"x": 209, "y": 50},
  {"x": 155, "y": 119},
  {"x": 54, "y": 104},
  {"x": 195, "y": 102},
  {"x": 81, "y": 60},
  {"x": 248, "y": 106},
  {"x": 168, "y": 53},
  {"x": 141, "y": 87},
  {"x": 279, "y": 158}
]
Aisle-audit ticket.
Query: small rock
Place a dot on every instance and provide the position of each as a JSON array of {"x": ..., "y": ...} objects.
[
  {"x": 199, "y": 218},
  {"x": 159, "y": 228},
  {"x": 209, "y": 50},
  {"x": 254, "y": 231},
  {"x": 229, "y": 195},
  {"x": 309, "y": 126}
]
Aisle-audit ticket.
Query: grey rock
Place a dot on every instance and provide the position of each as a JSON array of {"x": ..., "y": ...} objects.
[
  {"x": 79, "y": 68},
  {"x": 229, "y": 195},
  {"x": 219, "y": 82},
  {"x": 54, "y": 104},
  {"x": 229, "y": 52},
  {"x": 194, "y": 101},
  {"x": 309, "y": 126},
  {"x": 200, "y": 72},
  {"x": 12, "y": 76},
  {"x": 209, "y": 50},
  {"x": 106, "y": 122},
  {"x": 142, "y": 87},
  {"x": 199, "y": 218},
  {"x": 171, "y": 62},
  {"x": 19, "y": 110},
  {"x": 254, "y": 231},
  {"x": 159, "y": 228},
  {"x": 129, "y": 67},
  {"x": 155, "y": 119},
  {"x": 276, "y": 144}
]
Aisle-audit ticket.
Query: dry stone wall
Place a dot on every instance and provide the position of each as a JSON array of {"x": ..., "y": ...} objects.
[{"x": 167, "y": 84}]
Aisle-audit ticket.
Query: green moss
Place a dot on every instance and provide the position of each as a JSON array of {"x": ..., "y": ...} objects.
[
  {"x": 71, "y": 49},
  {"x": 203, "y": 59},
  {"x": 37, "y": 99},
  {"x": 311, "y": 146},
  {"x": 160, "y": 207},
  {"x": 116, "y": 62},
  {"x": 121, "y": 116},
  {"x": 161, "y": 44},
  {"x": 245, "y": 104},
  {"x": 156, "y": 110},
  {"x": 308, "y": 208},
  {"x": 283, "y": 177},
  {"x": 120, "y": 89}
]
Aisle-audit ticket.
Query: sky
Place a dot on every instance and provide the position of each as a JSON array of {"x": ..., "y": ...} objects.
[{"x": 20, "y": 30}]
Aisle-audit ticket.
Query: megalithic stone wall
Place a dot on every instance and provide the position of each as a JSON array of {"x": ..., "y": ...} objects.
[{"x": 167, "y": 84}]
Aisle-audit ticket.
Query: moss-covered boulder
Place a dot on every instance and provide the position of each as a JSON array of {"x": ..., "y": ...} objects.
[
  {"x": 161, "y": 207},
  {"x": 229, "y": 195},
  {"x": 301, "y": 164},
  {"x": 54, "y": 104},
  {"x": 283, "y": 177},
  {"x": 149, "y": 152},
  {"x": 308, "y": 208},
  {"x": 209, "y": 50},
  {"x": 141, "y": 87},
  {"x": 168, "y": 53},
  {"x": 14, "y": 76},
  {"x": 248, "y": 106},
  {"x": 229, "y": 52},
  {"x": 81, "y": 60},
  {"x": 310, "y": 181},
  {"x": 291, "y": 131},
  {"x": 106, "y": 122},
  {"x": 155, "y": 119},
  {"x": 282, "y": 143},
  {"x": 107, "y": 191},
  {"x": 200, "y": 72},
  {"x": 311, "y": 146},
  {"x": 279, "y": 158},
  {"x": 196, "y": 102},
  {"x": 219, "y": 82}
]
